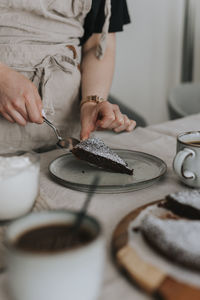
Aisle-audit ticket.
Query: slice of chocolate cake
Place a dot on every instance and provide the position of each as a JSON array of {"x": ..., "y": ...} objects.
[
  {"x": 176, "y": 239},
  {"x": 94, "y": 151},
  {"x": 185, "y": 204}
]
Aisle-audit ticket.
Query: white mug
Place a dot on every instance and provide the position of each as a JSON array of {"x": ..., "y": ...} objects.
[
  {"x": 186, "y": 163},
  {"x": 72, "y": 274}
]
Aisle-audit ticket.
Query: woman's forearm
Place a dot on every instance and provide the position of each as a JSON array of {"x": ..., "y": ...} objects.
[
  {"x": 97, "y": 74},
  {"x": 96, "y": 80}
]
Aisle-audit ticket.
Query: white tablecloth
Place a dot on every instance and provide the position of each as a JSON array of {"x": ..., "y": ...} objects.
[{"x": 159, "y": 140}]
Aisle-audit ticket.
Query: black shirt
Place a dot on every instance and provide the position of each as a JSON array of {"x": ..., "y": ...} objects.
[{"x": 95, "y": 18}]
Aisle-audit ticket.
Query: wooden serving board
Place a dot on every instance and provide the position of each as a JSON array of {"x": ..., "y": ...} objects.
[{"x": 148, "y": 277}]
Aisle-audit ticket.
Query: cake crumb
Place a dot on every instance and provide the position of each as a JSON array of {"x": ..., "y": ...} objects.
[{"x": 136, "y": 229}]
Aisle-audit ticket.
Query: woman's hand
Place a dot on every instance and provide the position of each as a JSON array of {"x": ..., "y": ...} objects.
[
  {"x": 103, "y": 115},
  {"x": 19, "y": 98}
]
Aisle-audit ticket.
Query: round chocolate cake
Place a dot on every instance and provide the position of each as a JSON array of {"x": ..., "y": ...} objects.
[
  {"x": 184, "y": 203},
  {"x": 178, "y": 240}
]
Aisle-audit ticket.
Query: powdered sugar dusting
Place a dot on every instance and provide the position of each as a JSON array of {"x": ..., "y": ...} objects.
[
  {"x": 178, "y": 240},
  {"x": 10, "y": 166},
  {"x": 189, "y": 197},
  {"x": 148, "y": 254},
  {"x": 98, "y": 147}
]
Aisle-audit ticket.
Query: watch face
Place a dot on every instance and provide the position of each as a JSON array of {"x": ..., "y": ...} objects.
[
  {"x": 92, "y": 98},
  {"x": 95, "y": 98}
]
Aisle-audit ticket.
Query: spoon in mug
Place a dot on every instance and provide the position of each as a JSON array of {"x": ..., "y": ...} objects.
[
  {"x": 67, "y": 143},
  {"x": 81, "y": 215},
  {"x": 70, "y": 240},
  {"x": 83, "y": 211}
]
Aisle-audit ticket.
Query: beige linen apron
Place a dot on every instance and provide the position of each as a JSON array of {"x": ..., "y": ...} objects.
[{"x": 40, "y": 39}]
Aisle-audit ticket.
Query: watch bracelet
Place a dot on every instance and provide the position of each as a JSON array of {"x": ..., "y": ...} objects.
[{"x": 92, "y": 98}]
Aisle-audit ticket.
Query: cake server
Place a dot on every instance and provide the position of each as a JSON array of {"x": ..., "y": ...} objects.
[{"x": 67, "y": 143}]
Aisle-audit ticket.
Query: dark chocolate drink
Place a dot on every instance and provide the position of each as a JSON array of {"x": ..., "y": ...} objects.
[
  {"x": 53, "y": 238},
  {"x": 195, "y": 143}
]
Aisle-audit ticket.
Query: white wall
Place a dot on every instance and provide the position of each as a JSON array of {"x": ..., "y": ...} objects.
[
  {"x": 197, "y": 41},
  {"x": 149, "y": 56}
]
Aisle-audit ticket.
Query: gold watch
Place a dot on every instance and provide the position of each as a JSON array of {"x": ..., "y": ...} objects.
[{"x": 92, "y": 98}]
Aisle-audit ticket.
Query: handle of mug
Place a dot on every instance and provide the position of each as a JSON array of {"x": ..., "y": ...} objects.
[{"x": 178, "y": 163}]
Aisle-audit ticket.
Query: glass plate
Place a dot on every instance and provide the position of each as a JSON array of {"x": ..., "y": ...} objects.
[{"x": 77, "y": 174}]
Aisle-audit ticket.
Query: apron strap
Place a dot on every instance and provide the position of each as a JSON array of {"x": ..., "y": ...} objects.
[
  {"x": 103, "y": 39},
  {"x": 43, "y": 72}
]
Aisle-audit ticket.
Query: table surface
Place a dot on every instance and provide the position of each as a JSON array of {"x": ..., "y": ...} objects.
[{"x": 159, "y": 140}]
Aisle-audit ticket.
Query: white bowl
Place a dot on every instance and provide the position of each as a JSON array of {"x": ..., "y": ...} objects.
[{"x": 19, "y": 184}]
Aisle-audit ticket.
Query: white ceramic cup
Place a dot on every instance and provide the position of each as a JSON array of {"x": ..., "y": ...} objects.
[
  {"x": 72, "y": 274},
  {"x": 186, "y": 163},
  {"x": 19, "y": 183}
]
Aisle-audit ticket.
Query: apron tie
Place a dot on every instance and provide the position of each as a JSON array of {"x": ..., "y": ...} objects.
[
  {"x": 103, "y": 39},
  {"x": 42, "y": 74}
]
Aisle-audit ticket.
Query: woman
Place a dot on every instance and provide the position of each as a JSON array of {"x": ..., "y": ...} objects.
[{"x": 47, "y": 60}]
